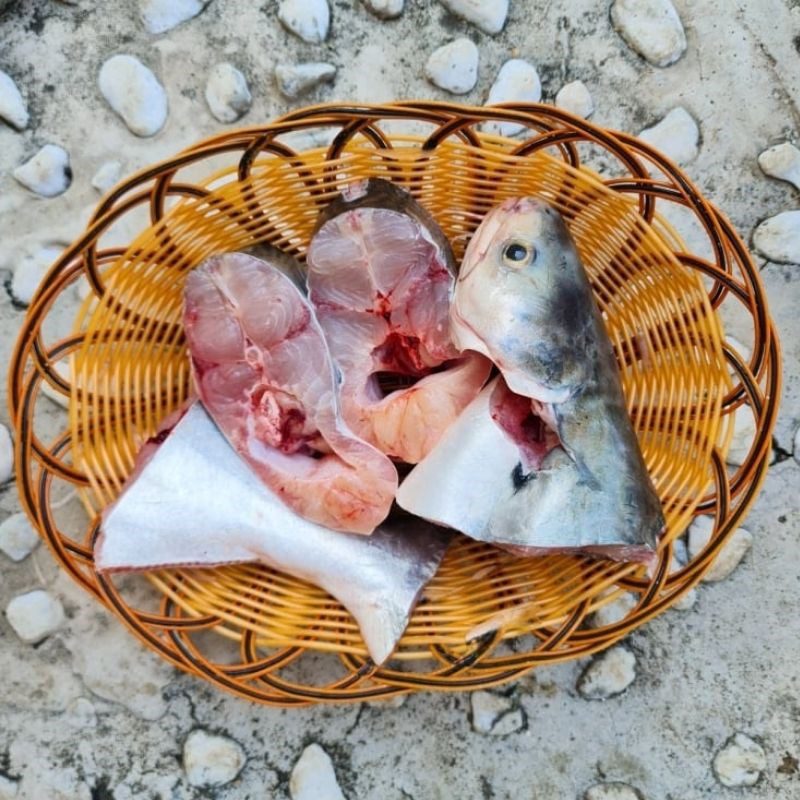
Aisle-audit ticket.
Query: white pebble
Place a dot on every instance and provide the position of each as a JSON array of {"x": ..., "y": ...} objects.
[
  {"x": 385, "y": 9},
  {"x": 783, "y": 162},
  {"x": 744, "y": 432},
  {"x": 211, "y": 760},
  {"x": 454, "y": 66},
  {"x": 686, "y": 602},
  {"x": 295, "y": 80},
  {"x": 488, "y": 15},
  {"x": 8, "y": 788},
  {"x": 615, "y": 611},
  {"x": 81, "y": 714},
  {"x": 495, "y": 714},
  {"x": 134, "y": 93},
  {"x": 610, "y": 674},
  {"x": 227, "y": 93},
  {"x": 652, "y": 28},
  {"x": 35, "y": 615},
  {"x": 778, "y": 238},
  {"x": 159, "y": 16},
  {"x": 313, "y": 777},
  {"x": 612, "y": 791},
  {"x": 48, "y": 173},
  {"x": 107, "y": 175},
  {"x": 728, "y": 558},
  {"x": 676, "y": 136},
  {"x": 6, "y": 455},
  {"x": 575, "y": 98},
  {"x": 12, "y": 107},
  {"x": 740, "y": 762},
  {"x": 517, "y": 81},
  {"x": 308, "y": 19},
  {"x": 18, "y": 539},
  {"x": 29, "y": 272}
]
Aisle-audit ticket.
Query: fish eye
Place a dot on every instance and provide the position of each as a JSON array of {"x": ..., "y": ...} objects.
[{"x": 518, "y": 254}]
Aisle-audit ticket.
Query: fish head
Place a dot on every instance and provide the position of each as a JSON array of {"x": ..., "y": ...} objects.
[{"x": 522, "y": 298}]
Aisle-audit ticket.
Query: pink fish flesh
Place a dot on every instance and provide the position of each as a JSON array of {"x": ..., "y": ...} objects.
[
  {"x": 192, "y": 502},
  {"x": 380, "y": 275},
  {"x": 263, "y": 371}
]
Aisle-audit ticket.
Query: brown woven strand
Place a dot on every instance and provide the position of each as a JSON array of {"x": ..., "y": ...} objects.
[{"x": 487, "y": 617}]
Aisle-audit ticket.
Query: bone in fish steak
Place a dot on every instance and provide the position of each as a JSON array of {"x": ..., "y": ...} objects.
[
  {"x": 523, "y": 299},
  {"x": 264, "y": 373},
  {"x": 192, "y": 501},
  {"x": 380, "y": 275}
]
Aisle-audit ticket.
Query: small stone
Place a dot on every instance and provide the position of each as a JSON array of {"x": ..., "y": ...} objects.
[
  {"x": 795, "y": 447},
  {"x": 488, "y": 15},
  {"x": 6, "y": 455},
  {"x": 18, "y": 539},
  {"x": 778, "y": 238},
  {"x": 454, "y": 66},
  {"x": 615, "y": 611},
  {"x": 313, "y": 777},
  {"x": 783, "y": 162},
  {"x": 728, "y": 558},
  {"x": 308, "y": 19},
  {"x": 744, "y": 433},
  {"x": 35, "y": 615},
  {"x": 295, "y": 80},
  {"x": 385, "y": 9},
  {"x": 29, "y": 272},
  {"x": 676, "y": 136},
  {"x": 610, "y": 674},
  {"x": 612, "y": 791},
  {"x": 394, "y": 702},
  {"x": 107, "y": 175},
  {"x": 575, "y": 98},
  {"x": 134, "y": 93},
  {"x": 227, "y": 93},
  {"x": 211, "y": 760},
  {"x": 516, "y": 82},
  {"x": 48, "y": 173},
  {"x": 740, "y": 762},
  {"x": 159, "y": 16},
  {"x": 495, "y": 714},
  {"x": 652, "y": 28},
  {"x": 81, "y": 714},
  {"x": 8, "y": 788},
  {"x": 686, "y": 602},
  {"x": 12, "y": 107}
]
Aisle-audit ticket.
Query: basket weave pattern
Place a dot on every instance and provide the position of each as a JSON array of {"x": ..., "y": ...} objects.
[{"x": 487, "y": 617}]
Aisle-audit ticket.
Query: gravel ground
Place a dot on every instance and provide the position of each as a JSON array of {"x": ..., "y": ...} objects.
[{"x": 700, "y": 703}]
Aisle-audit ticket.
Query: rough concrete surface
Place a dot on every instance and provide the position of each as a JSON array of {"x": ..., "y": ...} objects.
[{"x": 87, "y": 713}]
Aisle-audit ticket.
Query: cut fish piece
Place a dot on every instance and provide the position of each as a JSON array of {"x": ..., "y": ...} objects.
[
  {"x": 264, "y": 373},
  {"x": 380, "y": 275},
  {"x": 193, "y": 502},
  {"x": 524, "y": 300}
]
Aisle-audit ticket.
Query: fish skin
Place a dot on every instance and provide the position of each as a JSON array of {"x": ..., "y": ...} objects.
[
  {"x": 380, "y": 275},
  {"x": 165, "y": 518},
  {"x": 263, "y": 371},
  {"x": 540, "y": 325}
]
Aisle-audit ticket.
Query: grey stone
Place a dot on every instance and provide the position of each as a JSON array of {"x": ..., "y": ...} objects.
[
  {"x": 159, "y": 16},
  {"x": 18, "y": 539},
  {"x": 227, "y": 93},
  {"x": 608, "y": 675},
  {"x": 454, "y": 66},
  {"x": 307, "y": 19},
  {"x": 778, "y": 238},
  {"x": 295, "y": 80},
  {"x": 488, "y": 15},
  {"x": 783, "y": 162},
  {"x": 35, "y": 615}
]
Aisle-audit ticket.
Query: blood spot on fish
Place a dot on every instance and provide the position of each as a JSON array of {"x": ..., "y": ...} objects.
[
  {"x": 517, "y": 417},
  {"x": 400, "y": 353}
]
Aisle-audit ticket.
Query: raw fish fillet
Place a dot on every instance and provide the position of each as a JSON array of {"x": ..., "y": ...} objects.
[
  {"x": 193, "y": 502},
  {"x": 380, "y": 275},
  {"x": 264, "y": 373},
  {"x": 576, "y": 481}
]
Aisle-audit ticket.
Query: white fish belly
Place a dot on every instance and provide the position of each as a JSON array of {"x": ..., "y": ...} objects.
[{"x": 196, "y": 503}]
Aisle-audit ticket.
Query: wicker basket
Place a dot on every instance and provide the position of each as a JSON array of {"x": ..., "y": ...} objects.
[{"x": 487, "y": 617}]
